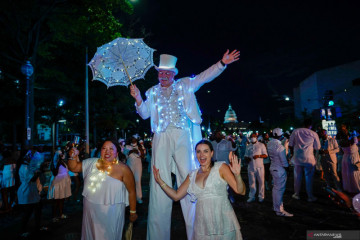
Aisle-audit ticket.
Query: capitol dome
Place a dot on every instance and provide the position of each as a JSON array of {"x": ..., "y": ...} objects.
[{"x": 230, "y": 116}]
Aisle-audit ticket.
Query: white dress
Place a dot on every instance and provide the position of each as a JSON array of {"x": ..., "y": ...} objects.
[
  {"x": 8, "y": 176},
  {"x": 350, "y": 174},
  {"x": 135, "y": 164},
  {"x": 60, "y": 186},
  {"x": 105, "y": 199},
  {"x": 28, "y": 192},
  {"x": 214, "y": 218}
]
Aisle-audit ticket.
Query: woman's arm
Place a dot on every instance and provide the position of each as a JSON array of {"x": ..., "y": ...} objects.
[
  {"x": 73, "y": 162},
  {"x": 129, "y": 181},
  {"x": 174, "y": 195},
  {"x": 232, "y": 174}
]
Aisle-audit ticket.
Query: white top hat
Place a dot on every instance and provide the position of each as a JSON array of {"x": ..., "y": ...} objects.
[
  {"x": 278, "y": 132},
  {"x": 167, "y": 62}
]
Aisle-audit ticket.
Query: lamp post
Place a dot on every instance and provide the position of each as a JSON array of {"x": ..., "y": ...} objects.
[{"x": 27, "y": 69}]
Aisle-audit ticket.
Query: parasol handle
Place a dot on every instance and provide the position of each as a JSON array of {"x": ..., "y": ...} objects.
[{"x": 122, "y": 61}]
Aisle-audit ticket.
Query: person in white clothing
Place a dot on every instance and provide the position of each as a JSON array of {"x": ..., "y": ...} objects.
[
  {"x": 254, "y": 154},
  {"x": 59, "y": 186},
  {"x": 28, "y": 193},
  {"x": 302, "y": 143},
  {"x": 109, "y": 187},
  {"x": 7, "y": 181},
  {"x": 134, "y": 153},
  {"x": 277, "y": 154},
  {"x": 214, "y": 217},
  {"x": 175, "y": 122},
  {"x": 222, "y": 147},
  {"x": 329, "y": 148}
]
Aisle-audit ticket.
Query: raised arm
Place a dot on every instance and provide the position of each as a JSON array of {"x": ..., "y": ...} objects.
[
  {"x": 135, "y": 93},
  {"x": 214, "y": 71},
  {"x": 231, "y": 174},
  {"x": 174, "y": 195},
  {"x": 73, "y": 161},
  {"x": 141, "y": 107}
]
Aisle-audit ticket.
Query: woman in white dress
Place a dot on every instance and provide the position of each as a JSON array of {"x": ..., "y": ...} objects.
[
  {"x": 108, "y": 188},
  {"x": 28, "y": 194},
  {"x": 60, "y": 185},
  {"x": 207, "y": 186},
  {"x": 135, "y": 153},
  {"x": 8, "y": 180},
  {"x": 351, "y": 167}
]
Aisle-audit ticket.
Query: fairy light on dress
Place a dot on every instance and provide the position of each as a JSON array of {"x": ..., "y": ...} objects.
[{"x": 97, "y": 179}]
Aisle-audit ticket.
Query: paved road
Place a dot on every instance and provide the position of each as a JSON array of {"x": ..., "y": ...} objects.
[{"x": 257, "y": 220}]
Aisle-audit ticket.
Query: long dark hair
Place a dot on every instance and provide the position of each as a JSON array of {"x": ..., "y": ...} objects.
[
  {"x": 117, "y": 145},
  {"x": 206, "y": 142}
]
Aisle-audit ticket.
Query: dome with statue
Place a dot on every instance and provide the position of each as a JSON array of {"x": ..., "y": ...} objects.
[{"x": 230, "y": 116}]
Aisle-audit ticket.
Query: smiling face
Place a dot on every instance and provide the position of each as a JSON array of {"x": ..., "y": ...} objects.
[
  {"x": 166, "y": 78},
  {"x": 108, "y": 151},
  {"x": 204, "y": 154}
]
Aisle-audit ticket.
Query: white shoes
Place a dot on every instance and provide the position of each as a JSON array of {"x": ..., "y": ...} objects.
[
  {"x": 295, "y": 196},
  {"x": 284, "y": 214}
]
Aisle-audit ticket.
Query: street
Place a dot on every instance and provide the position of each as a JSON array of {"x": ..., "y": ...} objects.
[{"x": 257, "y": 220}]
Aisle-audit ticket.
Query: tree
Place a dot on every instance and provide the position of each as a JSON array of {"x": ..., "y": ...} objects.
[{"x": 53, "y": 35}]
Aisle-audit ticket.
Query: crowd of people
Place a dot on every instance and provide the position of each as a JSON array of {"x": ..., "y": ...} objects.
[{"x": 207, "y": 171}]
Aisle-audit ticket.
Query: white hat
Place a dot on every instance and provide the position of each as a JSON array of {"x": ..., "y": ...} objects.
[
  {"x": 278, "y": 132},
  {"x": 135, "y": 136},
  {"x": 141, "y": 141},
  {"x": 121, "y": 140},
  {"x": 167, "y": 62}
]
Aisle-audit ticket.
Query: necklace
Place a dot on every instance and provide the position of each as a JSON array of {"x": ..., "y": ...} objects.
[
  {"x": 100, "y": 165},
  {"x": 97, "y": 178}
]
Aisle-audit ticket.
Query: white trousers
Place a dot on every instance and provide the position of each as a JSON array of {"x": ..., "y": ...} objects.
[
  {"x": 309, "y": 177},
  {"x": 279, "y": 179},
  {"x": 172, "y": 150},
  {"x": 259, "y": 175}
]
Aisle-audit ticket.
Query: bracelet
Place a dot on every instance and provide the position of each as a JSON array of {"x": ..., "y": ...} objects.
[
  {"x": 162, "y": 185},
  {"x": 132, "y": 212},
  {"x": 222, "y": 63}
]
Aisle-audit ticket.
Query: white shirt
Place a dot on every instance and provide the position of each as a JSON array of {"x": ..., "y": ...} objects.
[
  {"x": 332, "y": 146},
  {"x": 253, "y": 149},
  {"x": 28, "y": 191},
  {"x": 304, "y": 142},
  {"x": 222, "y": 150},
  {"x": 277, "y": 154}
]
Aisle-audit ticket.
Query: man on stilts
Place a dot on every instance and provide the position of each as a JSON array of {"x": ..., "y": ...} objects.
[{"x": 175, "y": 122}]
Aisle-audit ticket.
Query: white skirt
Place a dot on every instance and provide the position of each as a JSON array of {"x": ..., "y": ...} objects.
[
  {"x": 8, "y": 179},
  {"x": 59, "y": 187},
  {"x": 100, "y": 221}
]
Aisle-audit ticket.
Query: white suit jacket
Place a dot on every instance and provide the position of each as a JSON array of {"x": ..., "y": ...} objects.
[{"x": 189, "y": 86}]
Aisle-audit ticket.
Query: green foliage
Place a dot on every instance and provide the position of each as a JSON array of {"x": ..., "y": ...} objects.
[{"x": 54, "y": 35}]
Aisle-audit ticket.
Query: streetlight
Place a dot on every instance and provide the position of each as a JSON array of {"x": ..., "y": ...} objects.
[
  {"x": 61, "y": 103},
  {"x": 28, "y": 70}
]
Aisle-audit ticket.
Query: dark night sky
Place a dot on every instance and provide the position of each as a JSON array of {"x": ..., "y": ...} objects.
[{"x": 281, "y": 44}]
